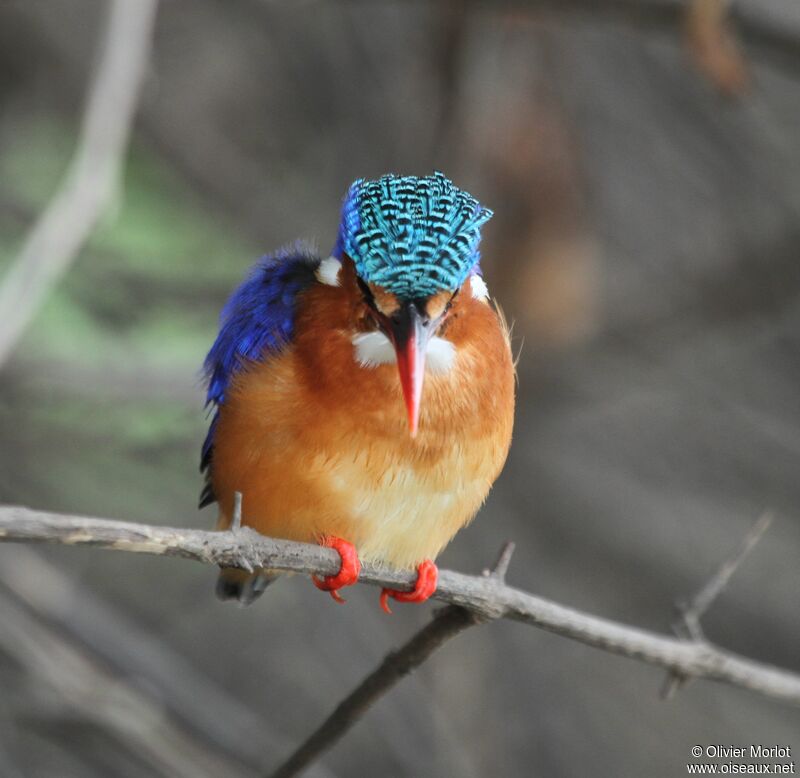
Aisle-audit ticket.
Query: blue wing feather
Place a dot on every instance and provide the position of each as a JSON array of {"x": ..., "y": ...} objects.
[{"x": 257, "y": 320}]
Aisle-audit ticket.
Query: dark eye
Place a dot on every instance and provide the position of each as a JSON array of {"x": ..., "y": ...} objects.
[
  {"x": 378, "y": 319},
  {"x": 369, "y": 298},
  {"x": 450, "y": 302}
]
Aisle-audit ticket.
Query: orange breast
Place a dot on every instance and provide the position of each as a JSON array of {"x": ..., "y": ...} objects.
[{"x": 319, "y": 445}]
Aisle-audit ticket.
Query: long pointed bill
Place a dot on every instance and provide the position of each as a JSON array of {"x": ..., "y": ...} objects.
[{"x": 410, "y": 337}]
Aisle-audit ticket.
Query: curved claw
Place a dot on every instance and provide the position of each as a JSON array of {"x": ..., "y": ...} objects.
[
  {"x": 425, "y": 586},
  {"x": 348, "y": 572}
]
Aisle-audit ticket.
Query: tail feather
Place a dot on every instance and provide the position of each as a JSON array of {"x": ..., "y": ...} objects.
[{"x": 244, "y": 587}]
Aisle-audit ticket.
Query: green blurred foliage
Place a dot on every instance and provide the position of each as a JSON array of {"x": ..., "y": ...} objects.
[
  {"x": 142, "y": 299},
  {"x": 149, "y": 283}
]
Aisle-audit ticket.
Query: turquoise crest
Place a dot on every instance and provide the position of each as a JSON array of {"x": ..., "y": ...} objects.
[{"x": 414, "y": 236}]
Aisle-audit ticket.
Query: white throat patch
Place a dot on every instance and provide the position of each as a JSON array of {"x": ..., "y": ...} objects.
[{"x": 374, "y": 348}]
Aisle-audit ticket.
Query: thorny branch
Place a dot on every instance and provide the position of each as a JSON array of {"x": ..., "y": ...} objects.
[
  {"x": 92, "y": 179},
  {"x": 486, "y": 597},
  {"x": 447, "y": 623}
]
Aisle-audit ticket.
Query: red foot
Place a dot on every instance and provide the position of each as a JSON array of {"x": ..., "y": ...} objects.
[
  {"x": 348, "y": 572},
  {"x": 427, "y": 578}
]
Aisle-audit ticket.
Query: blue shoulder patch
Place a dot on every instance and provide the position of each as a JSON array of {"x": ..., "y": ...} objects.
[
  {"x": 257, "y": 320},
  {"x": 259, "y": 316},
  {"x": 414, "y": 236}
]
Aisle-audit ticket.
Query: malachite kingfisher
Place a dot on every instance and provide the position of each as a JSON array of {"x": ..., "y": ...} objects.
[{"x": 365, "y": 400}]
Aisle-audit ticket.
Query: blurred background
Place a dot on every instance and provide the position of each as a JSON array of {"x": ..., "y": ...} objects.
[{"x": 643, "y": 162}]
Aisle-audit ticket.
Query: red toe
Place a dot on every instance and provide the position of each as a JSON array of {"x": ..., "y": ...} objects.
[
  {"x": 425, "y": 586},
  {"x": 348, "y": 572}
]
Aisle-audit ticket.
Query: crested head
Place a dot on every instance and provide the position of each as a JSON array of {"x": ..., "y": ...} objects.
[{"x": 413, "y": 236}]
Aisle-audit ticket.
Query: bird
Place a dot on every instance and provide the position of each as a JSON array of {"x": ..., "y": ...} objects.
[{"x": 364, "y": 400}]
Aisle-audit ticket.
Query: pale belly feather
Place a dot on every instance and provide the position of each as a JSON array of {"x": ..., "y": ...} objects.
[{"x": 407, "y": 513}]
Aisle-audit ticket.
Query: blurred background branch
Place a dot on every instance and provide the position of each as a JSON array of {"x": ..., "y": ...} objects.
[
  {"x": 757, "y": 23},
  {"x": 446, "y": 624},
  {"x": 76, "y": 685},
  {"x": 206, "y": 726},
  {"x": 92, "y": 180}
]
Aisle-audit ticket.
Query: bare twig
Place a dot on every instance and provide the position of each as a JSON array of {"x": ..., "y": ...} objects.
[
  {"x": 693, "y": 609},
  {"x": 447, "y": 623},
  {"x": 687, "y": 626},
  {"x": 485, "y": 597},
  {"x": 92, "y": 179}
]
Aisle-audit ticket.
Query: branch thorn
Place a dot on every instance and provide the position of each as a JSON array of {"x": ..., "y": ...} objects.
[
  {"x": 236, "y": 520},
  {"x": 500, "y": 567}
]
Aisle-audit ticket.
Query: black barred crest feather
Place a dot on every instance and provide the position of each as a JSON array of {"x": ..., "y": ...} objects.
[{"x": 413, "y": 236}]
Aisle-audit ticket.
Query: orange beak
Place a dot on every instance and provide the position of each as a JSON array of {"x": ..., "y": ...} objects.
[{"x": 410, "y": 333}]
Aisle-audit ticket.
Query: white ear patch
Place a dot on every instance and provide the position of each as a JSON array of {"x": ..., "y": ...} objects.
[
  {"x": 328, "y": 271},
  {"x": 478, "y": 286},
  {"x": 374, "y": 348},
  {"x": 440, "y": 355}
]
